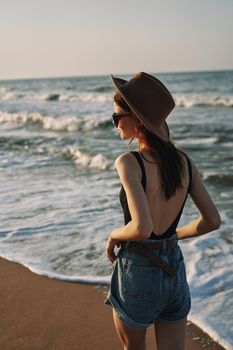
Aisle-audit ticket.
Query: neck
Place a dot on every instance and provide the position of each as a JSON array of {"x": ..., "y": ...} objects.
[{"x": 142, "y": 146}]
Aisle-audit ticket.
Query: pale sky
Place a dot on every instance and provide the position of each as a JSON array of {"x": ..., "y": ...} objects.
[{"x": 50, "y": 38}]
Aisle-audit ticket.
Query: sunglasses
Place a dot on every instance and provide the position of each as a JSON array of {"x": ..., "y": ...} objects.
[{"x": 116, "y": 117}]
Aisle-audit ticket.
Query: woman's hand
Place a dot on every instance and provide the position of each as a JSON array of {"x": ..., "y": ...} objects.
[{"x": 111, "y": 243}]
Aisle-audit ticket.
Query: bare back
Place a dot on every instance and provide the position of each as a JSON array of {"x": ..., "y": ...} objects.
[{"x": 163, "y": 212}]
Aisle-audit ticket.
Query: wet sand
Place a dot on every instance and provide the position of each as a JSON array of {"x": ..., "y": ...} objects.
[{"x": 40, "y": 313}]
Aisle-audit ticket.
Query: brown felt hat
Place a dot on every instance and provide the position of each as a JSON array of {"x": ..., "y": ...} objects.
[{"x": 149, "y": 99}]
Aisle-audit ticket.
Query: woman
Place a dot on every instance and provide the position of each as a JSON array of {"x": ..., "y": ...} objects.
[{"x": 148, "y": 284}]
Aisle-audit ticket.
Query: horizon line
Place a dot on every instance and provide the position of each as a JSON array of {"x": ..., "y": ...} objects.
[{"x": 122, "y": 74}]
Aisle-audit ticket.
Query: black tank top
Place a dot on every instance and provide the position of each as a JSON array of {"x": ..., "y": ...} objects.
[{"x": 123, "y": 200}]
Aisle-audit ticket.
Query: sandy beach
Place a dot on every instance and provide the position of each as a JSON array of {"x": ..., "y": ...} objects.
[{"x": 39, "y": 313}]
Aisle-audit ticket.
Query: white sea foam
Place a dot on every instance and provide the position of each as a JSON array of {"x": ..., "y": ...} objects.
[
  {"x": 2, "y": 90},
  {"x": 6, "y": 96},
  {"x": 191, "y": 268},
  {"x": 87, "y": 279},
  {"x": 86, "y": 97},
  {"x": 208, "y": 173},
  {"x": 197, "y": 141},
  {"x": 98, "y": 161},
  {"x": 65, "y": 123},
  {"x": 208, "y": 268},
  {"x": 49, "y": 123},
  {"x": 200, "y": 322},
  {"x": 227, "y": 144},
  {"x": 189, "y": 101},
  {"x": 226, "y": 195},
  {"x": 184, "y": 100},
  {"x": 83, "y": 97}
]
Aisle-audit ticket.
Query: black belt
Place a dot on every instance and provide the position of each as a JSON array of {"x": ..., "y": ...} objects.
[{"x": 145, "y": 250}]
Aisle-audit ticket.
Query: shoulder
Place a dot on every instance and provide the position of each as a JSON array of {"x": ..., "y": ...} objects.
[
  {"x": 127, "y": 164},
  {"x": 125, "y": 159}
]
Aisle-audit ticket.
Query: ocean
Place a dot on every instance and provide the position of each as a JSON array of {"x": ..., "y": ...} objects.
[{"x": 59, "y": 189}]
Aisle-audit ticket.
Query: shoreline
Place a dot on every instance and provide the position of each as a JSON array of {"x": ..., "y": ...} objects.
[{"x": 39, "y": 312}]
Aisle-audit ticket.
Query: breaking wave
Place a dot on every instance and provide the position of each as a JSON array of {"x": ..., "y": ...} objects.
[
  {"x": 86, "y": 160},
  {"x": 65, "y": 123},
  {"x": 189, "y": 101},
  {"x": 101, "y": 95},
  {"x": 83, "y": 97}
]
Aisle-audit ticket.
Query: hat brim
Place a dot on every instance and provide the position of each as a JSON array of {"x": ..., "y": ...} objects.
[{"x": 161, "y": 131}]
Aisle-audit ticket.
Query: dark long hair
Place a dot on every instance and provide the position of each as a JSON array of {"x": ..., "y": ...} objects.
[{"x": 171, "y": 165}]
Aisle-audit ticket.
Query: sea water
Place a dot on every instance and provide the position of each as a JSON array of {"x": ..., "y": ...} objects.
[{"x": 59, "y": 188}]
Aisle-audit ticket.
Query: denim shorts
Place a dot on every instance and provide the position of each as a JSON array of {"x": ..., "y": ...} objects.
[{"x": 142, "y": 293}]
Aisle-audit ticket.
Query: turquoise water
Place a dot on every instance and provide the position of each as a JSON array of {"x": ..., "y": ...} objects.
[{"x": 59, "y": 189}]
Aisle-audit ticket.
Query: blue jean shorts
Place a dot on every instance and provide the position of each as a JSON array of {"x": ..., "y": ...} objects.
[{"x": 142, "y": 293}]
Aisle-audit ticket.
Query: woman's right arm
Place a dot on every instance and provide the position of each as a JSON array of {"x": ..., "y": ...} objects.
[{"x": 209, "y": 220}]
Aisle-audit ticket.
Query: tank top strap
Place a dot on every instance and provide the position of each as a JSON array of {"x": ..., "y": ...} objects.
[
  {"x": 189, "y": 170},
  {"x": 139, "y": 159},
  {"x": 175, "y": 222}
]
